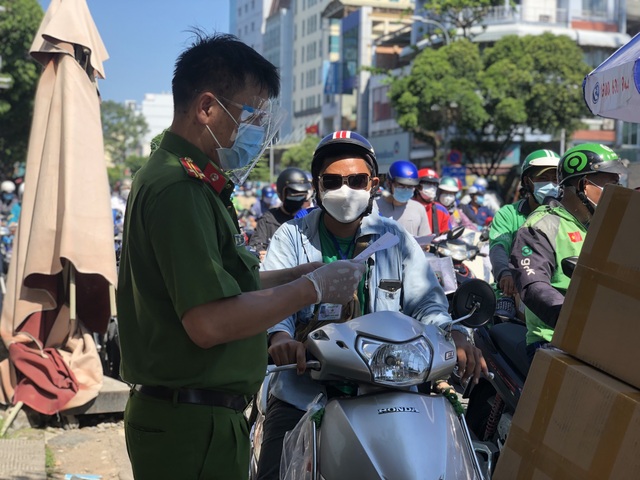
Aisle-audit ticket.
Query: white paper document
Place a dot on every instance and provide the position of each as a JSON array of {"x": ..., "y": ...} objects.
[{"x": 385, "y": 241}]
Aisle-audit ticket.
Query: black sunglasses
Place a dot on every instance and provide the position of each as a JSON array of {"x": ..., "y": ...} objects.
[{"x": 355, "y": 181}]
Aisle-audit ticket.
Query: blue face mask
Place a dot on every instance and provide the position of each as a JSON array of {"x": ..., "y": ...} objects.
[
  {"x": 7, "y": 196},
  {"x": 480, "y": 200},
  {"x": 246, "y": 147},
  {"x": 544, "y": 189},
  {"x": 402, "y": 195}
]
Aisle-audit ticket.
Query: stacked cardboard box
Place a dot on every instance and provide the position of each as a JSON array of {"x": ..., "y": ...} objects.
[{"x": 579, "y": 415}]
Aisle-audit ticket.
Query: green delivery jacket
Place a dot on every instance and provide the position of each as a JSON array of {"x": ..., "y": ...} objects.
[{"x": 549, "y": 235}]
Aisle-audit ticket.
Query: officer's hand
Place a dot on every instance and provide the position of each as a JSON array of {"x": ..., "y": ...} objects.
[
  {"x": 471, "y": 363},
  {"x": 336, "y": 282},
  {"x": 507, "y": 285},
  {"x": 262, "y": 254},
  {"x": 284, "y": 350}
]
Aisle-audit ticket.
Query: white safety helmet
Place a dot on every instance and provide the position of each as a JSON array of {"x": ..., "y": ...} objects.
[{"x": 7, "y": 186}]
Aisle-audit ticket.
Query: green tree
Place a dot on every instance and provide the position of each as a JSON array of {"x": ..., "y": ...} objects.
[
  {"x": 18, "y": 26},
  {"x": 482, "y": 100},
  {"x": 122, "y": 129},
  {"x": 301, "y": 154},
  {"x": 461, "y": 14}
]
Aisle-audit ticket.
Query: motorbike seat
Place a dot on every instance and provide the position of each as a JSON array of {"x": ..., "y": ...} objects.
[{"x": 510, "y": 340}]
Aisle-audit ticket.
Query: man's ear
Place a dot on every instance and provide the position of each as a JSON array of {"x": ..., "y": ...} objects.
[{"x": 205, "y": 105}]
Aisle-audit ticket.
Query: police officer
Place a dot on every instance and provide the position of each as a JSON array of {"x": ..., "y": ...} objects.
[{"x": 191, "y": 311}]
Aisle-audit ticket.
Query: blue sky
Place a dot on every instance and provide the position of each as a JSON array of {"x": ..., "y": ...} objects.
[{"x": 144, "y": 37}]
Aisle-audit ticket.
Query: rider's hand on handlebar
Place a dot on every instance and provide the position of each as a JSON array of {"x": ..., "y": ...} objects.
[
  {"x": 471, "y": 363},
  {"x": 507, "y": 285},
  {"x": 284, "y": 350}
]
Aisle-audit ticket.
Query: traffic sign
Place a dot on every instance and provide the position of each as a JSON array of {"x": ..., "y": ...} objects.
[{"x": 454, "y": 157}]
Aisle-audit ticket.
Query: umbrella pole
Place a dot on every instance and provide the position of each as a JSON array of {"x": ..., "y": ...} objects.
[
  {"x": 72, "y": 292},
  {"x": 112, "y": 300}
]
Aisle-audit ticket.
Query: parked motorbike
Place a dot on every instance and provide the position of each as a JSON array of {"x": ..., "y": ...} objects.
[
  {"x": 386, "y": 429},
  {"x": 493, "y": 401}
]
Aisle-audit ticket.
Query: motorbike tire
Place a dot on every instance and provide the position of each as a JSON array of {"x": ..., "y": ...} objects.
[{"x": 479, "y": 408}]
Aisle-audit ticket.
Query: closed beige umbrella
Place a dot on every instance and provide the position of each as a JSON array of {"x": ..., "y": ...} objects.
[{"x": 65, "y": 234}]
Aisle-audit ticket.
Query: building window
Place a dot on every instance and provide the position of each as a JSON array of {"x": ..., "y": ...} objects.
[
  {"x": 253, "y": 26},
  {"x": 595, "y": 8},
  {"x": 239, "y": 12},
  {"x": 381, "y": 105}
]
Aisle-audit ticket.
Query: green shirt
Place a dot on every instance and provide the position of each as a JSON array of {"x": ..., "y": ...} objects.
[
  {"x": 338, "y": 248},
  {"x": 182, "y": 249}
]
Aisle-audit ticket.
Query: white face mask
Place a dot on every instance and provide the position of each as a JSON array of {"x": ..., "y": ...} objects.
[
  {"x": 345, "y": 204},
  {"x": 428, "y": 193},
  {"x": 447, "y": 199}
]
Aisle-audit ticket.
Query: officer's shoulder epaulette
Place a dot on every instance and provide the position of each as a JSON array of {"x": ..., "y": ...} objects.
[{"x": 191, "y": 168}]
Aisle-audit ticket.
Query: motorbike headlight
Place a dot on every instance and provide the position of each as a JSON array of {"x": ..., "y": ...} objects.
[
  {"x": 458, "y": 252},
  {"x": 397, "y": 364}
]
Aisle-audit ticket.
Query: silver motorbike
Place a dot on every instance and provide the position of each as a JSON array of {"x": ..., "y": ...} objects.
[{"x": 386, "y": 429}]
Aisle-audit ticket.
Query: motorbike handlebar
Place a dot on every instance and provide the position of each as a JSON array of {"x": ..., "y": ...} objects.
[{"x": 311, "y": 365}]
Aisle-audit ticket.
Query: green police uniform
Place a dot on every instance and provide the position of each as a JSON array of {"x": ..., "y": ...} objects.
[{"x": 182, "y": 248}]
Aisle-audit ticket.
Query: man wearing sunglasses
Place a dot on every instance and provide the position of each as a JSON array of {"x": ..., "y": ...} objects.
[
  {"x": 193, "y": 308},
  {"x": 345, "y": 176},
  {"x": 556, "y": 231}
]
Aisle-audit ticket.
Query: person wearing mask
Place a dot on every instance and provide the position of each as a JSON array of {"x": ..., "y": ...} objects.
[
  {"x": 426, "y": 194},
  {"x": 345, "y": 175},
  {"x": 557, "y": 230},
  {"x": 538, "y": 181},
  {"x": 267, "y": 198},
  {"x": 448, "y": 190},
  {"x": 193, "y": 307},
  {"x": 491, "y": 200},
  {"x": 475, "y": 209},
  {"x": 294, "y": 191},
  {"x": 402, "y": 181},
  {"x": 9, "y": 199}
]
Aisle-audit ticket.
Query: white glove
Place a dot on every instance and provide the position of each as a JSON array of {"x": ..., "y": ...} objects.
[{"x": 337, "y": 281}]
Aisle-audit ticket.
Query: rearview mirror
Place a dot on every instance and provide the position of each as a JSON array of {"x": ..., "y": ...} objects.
[
  {"x": 475, "y": 296},
  {"x": 569, "y": 265}
]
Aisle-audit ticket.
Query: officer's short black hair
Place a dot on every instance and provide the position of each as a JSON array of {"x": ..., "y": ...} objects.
[{"x": 222, "y": 64}]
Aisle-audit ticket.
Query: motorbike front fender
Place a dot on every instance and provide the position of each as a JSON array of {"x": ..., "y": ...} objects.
[{"x": 399, "y": 435}]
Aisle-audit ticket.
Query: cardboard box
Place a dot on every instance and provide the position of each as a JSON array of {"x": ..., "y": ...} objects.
[
  {"x": 600, "y": 319},
  {"x": 573, "y": 422}
]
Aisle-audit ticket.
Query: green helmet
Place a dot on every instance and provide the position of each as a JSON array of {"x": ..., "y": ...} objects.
[
  {"x": 586, "y": 159},
  {"x": 449, "y": 184},
  {"x": 539, "y": 158}
]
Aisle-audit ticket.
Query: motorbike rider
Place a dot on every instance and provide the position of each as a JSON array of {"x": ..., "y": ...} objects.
[
  {"x": 537, "y": 181},
  {"x": 448, "y": 190},
  {"x": 265, "y": 202},
  {"x": 8, "y": 197},
  {"x": 345, "y": 175},
  {"x": 556, "y": 231},
  {"x": 294, "y": 190},
  {"x": 426, "y": 194},
  {"x": 402, "y": 181},
  {"x": 475, "y": 209}
]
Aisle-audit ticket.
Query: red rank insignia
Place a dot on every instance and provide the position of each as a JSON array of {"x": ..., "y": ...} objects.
[
  {"x": 575, "y": 237},
  {"x": 192, "y": 169}
]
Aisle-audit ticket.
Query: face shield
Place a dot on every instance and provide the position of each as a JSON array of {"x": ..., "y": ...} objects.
[{"x": 262, "y": 115}]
